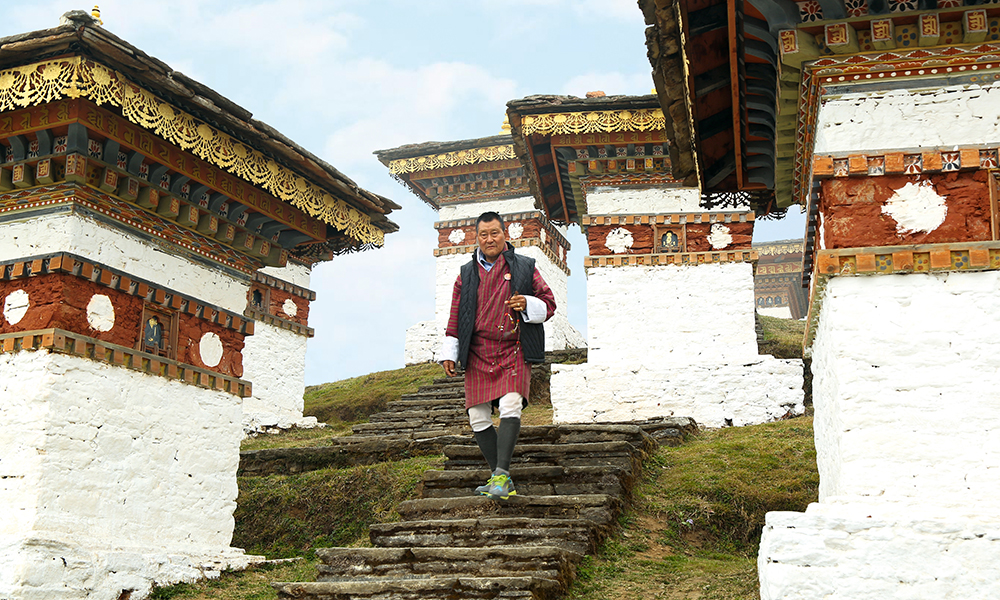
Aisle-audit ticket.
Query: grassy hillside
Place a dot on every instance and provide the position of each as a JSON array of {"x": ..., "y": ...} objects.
[{"x": 692, "y": 533}]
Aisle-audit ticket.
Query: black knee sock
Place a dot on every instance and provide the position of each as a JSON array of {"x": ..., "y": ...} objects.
[
  {"x": 510, "y": 428},
  {"x": 487, "y": 440}
]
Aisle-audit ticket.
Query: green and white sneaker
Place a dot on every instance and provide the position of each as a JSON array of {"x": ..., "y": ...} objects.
[
  {"x": 500, "y": 487},
  {"x": 484, "y": 489}
]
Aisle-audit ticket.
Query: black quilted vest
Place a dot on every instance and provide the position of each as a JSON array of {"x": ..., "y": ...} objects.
[{"x": 522, "y": 275}]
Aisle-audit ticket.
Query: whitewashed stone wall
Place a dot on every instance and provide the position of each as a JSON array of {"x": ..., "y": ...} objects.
[
  {"x": 670, "y": 316},
  {"x": 908, "y": 446},
  {"x": 274, "y": 361},
  {"x": 294, "y": 273},
  {"x": 471, "y": 210},
  {"x": 863, "y": 552},
  {"x": 905, "y": 378},
  {"x": 423, "y": 341},
  {"x": 941, "y": 117},
  {"x": 111, "y": 480},
  {"x": 714, "y": 394},
  {"x": 91, "y": 239},
  {"x": 657, "y": 200},
  {"x": 675, "y": 340}
]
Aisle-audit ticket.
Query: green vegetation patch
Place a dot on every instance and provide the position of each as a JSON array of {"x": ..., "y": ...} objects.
[
  {"x": 783, "y": 338},
  {"x": 290, "y": 515},
  {"x": 351, "y": 400},
  {"x": 694, "y": 529}
]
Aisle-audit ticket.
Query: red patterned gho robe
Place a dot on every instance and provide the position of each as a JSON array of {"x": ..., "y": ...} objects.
[{"x": 496, "y": 362}]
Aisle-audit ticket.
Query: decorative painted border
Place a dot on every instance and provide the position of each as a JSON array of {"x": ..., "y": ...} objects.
[
  {"x": 264, "y": 316},
  {"x": 284, "y": 286},
  {"x": 857, "y": 68},
  {"x": 895, "y": 260},
  {"x": 668, "y": 218},
  {"x": 602, "y": 121},
  {"x": 910, "y": 163},
  {"x": 521, "y": 243},
  {"x": 76, "y": 77},
  {"x": 471, "y": 156},
  {"x": 74, "y": 344},
  {"x": 511, "y": 217},
  {"x": 679, "y": 258},
  {"x": 64, "y": 262}
]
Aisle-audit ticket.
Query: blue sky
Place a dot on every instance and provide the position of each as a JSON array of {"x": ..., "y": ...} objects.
[{"x": 344, "y": 79}]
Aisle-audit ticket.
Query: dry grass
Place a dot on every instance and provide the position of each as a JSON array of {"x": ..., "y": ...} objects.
[
  {"x": 695, "y": 527},
  {"x": 783, "y": 338},
  {"x": 351, "y": 400}
]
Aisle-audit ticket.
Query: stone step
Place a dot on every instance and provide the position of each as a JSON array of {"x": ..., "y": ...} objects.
[
  {"x": 359, "y": 564},
  {"x": 576, "y": 535},
  {"x": 599, "y": 509},
  {"x": 616, "y": 454},
  {"x": 436, "y": 415},
  {"x": 532, "y": 481},
  {"x": 426, "y": 588},
  {"x": 346, "y": 452},
  {"x": 444, "y": 393},
  {"x": 405, "y": 427},
  {"x": 425, "y": 404},
  {"x": 587, "y": 433}
]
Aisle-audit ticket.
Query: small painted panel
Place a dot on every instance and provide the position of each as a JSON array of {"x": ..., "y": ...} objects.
[{"x": 882, "y": 30}]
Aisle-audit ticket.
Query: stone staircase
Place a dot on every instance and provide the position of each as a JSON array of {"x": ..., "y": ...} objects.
[
  {"x": 572, "y": 480},
  {"x": 423, "y": 422}
]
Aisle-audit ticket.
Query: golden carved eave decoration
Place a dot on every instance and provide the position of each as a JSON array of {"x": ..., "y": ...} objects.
[
  {"x": 456, "y": 158},
  {"x": 603, "y": 121},
  {"x": 78, "y": 77}
]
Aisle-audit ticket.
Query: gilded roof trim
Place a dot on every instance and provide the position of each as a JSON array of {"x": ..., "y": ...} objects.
[{"x": 78, "y": 77}]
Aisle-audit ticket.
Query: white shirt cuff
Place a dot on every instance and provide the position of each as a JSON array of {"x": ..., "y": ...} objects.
[
  {"x": 534, "y": 311},
  {"x": 449, "y": 349}
]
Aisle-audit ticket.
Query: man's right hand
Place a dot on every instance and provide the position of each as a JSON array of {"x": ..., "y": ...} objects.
[{"x": 449, "y": 367}]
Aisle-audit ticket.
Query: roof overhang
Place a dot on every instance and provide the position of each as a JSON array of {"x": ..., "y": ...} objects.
[{"x": 79, "y": 59}]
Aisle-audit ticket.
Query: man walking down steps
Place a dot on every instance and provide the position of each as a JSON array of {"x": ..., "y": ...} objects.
[{"x": 495, "y": 332}]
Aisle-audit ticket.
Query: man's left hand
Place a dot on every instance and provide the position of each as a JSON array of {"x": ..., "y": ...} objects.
[{"x": 517, "y": 302}]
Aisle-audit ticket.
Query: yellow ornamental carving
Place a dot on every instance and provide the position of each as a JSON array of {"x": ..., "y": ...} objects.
[
  {"x": 604, "y": 121},
  {"x": 452, "y": 159},
  {"x": 76, "y": 77}
]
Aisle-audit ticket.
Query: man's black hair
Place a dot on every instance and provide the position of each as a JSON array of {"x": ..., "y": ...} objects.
[{"x": 488, "y": 217}]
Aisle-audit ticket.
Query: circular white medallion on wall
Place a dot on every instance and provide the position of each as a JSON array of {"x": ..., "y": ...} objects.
[
  {"x": 619, "y": 240},
  {"x": 210, "y": 349},
  {"x": 457, "y": 236},
  {"x": 289, "y": 307},
  {"x": 100, "y": 313},
  {"x": 15, "y": 306},
  {"x": 916, "y": 208},
  {"x": 542, "y": 235},
  {"x": 515, "y": 231},
  {"x": 720, "y": 236}
]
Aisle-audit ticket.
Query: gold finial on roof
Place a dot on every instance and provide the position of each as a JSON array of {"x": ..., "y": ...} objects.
[
  {"x": 505, "y": 128},
  {"x": 96, "y": 13}
]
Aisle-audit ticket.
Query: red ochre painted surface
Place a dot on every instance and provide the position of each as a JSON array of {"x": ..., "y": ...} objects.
[
  {"x": 189, "y": 333},
  {"x": 60, "y": 301},
  {"x": 278, "y": 298},
  {"x": 853, "y": 218},
  {"x": 642, "y": 237},
  {"x": 697, "y": 237}
]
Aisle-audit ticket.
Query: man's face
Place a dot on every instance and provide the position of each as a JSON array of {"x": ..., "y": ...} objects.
[{"x": 492, "y": 240}]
